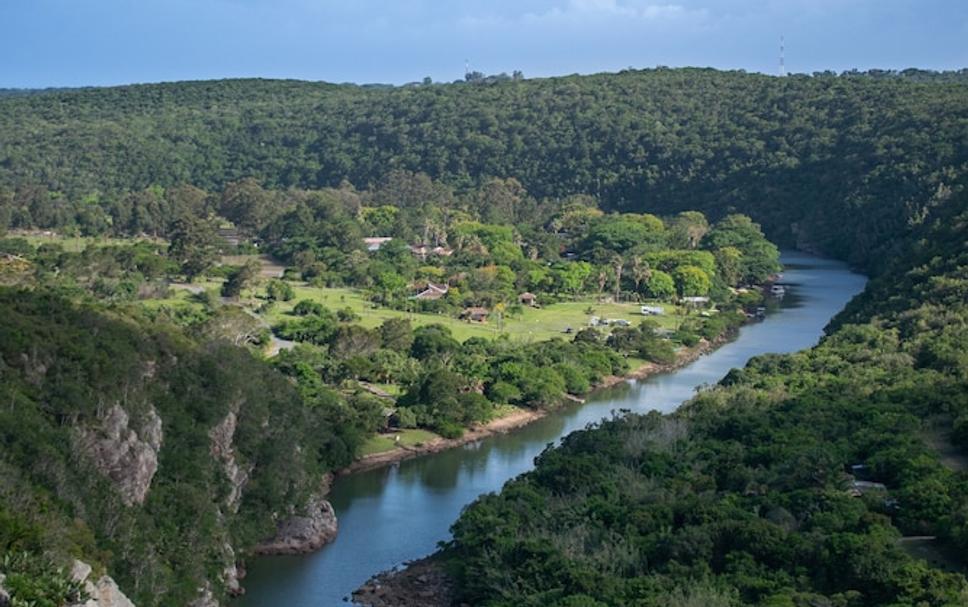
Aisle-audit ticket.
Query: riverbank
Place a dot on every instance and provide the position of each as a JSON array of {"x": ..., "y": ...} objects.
[{"x": 523, "y": 417}]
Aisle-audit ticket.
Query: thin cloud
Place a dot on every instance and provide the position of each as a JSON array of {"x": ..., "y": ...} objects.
[{"x": 591, "y": 12}]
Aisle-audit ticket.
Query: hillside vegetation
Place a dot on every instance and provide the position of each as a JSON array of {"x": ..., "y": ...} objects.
[
  {"x": 836, "y": 162},
  {"x": 754, "y": 493},
  {"x": 141, "y": 431}
]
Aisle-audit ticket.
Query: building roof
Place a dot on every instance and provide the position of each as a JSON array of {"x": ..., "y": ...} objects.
[
  {"x": 432, "y": 291},
  {"x": 373, "y": 243},
  {"x": 475, "y": 311}
]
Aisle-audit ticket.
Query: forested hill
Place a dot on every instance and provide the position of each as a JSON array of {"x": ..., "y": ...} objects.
[
  {"x": 841, "y": 162},
  {"x": 829, "y": 477}
]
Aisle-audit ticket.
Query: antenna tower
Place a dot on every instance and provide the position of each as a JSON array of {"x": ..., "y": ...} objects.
[{"x": 782, "y": 58}]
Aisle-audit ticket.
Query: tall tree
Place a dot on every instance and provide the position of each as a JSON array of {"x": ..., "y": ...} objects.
[{"x": 194, "y": 245}]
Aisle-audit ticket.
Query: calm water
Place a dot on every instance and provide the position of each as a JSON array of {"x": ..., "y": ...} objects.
[{"x": 398, "y": 514}]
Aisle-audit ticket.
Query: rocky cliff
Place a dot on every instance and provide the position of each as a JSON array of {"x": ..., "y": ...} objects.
[
  {"x": 102, "y": 592},
  {"x": 128, "y": 457},
  {"x": 303, "y": 532}
]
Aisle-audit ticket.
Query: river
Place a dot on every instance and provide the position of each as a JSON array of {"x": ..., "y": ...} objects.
[{"x": 396, "y": 514}]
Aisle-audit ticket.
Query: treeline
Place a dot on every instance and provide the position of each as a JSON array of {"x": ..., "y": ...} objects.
[
  {"x": 837, "y": 163},
  {"x": 485, "y": 246},
  {"x": 792, "y": 483}
]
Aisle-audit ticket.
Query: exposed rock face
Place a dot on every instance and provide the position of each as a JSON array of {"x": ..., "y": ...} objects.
[
  {"x": 127, "y": 457},
  {"x": 303, "y": 533},
  {"x": 232, "y": 573},
  {"x": 4, "y": 595},
  {"x": 103, "y": 593},
  {"x": 223, "y": 450},
  {"x": 205, "y": 598}
]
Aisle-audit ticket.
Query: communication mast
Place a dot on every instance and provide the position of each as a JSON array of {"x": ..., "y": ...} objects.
[{"x": 782, "y": 58}]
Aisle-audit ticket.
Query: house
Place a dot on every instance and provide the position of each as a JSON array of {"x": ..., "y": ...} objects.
[
  {"x": 374, "y": 243},
  {"x": 859, "y": 488},
  {"x": 230, "y": 235},
  {"x": 695, "y": 301},
  {"x": 475, "y": 314},
  {"x": 423, "y": 251},
  {"x": 528, "y": 299},
  {"x": 432, "y": 291}
]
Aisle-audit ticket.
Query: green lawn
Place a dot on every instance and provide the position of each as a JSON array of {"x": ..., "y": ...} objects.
[
  {"x": 74, "y": 244},
  {"x": 378, "y": 443},
  {"x": 534, "y": 324}
]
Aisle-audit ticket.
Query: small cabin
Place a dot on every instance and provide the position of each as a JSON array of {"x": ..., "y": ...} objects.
[
  {"x": 695, "y": 301},
  {"x": 528, "y": 299},
  {"x": 376, "y": 242},
  {"x": 475, "y": 314}
]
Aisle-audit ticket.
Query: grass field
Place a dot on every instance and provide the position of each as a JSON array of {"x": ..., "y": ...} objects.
[
  {"x": 73, "y": 244},
  {"x": 534, "y": 324},
  {"x": 378, "y": 443}
]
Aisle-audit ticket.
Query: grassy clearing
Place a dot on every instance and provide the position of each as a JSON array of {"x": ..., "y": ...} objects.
[
  {"x": 75, "y": 244},
  {"x": 380, "y": 443},
  {"x": 534, "y": 324}
]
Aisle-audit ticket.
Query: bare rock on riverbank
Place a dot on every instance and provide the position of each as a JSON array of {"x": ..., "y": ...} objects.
[
  {"x": 422, "y": 583},
  {"x": 303, "y": 533}
]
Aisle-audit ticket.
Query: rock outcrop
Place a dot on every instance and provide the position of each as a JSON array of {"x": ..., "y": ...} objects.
[
  {"x": 303, "y": 533},
  {"x": 222, "y": 450},
  {"x": 4, "y": 595},
  {"x": 102, "y": 593},
  {"x": 127, "y": 457},
  {"x": 232, "y": 573},
  {"x": 205, "y": 598},
  {"x": 422, "y": 583}
]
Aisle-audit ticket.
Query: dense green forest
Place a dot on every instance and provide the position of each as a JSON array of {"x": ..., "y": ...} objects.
[
  {"x": 836, "y": 162},
  {"x": 790, "y": 483},
  {"x": 643, "y": 186}
]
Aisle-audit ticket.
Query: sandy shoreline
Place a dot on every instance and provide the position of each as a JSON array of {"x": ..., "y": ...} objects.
[{"x": 523, "y": 417}]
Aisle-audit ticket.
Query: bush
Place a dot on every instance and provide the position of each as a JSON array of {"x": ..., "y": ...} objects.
[
  {"x": 658, "y": 351},
  {"x": 686, "y": 338},
  {"x": 448, "y": 429},
  {"x": 305, "y": 307},
  {"x": 502, "y": 392},
  {"x": 347, "y": 315},
  {"x": 279, "y": 290}
]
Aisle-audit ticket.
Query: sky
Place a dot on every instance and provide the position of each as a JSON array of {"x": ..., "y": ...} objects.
[{"x": 56, "y": 43}]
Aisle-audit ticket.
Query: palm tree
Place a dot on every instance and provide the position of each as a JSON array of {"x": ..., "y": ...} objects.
[
  {"x": 618, "y": 263},
  {"x": 641, "y": 271}
]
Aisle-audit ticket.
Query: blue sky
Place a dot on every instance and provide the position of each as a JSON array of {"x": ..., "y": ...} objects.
[{"x": 101, "y": 42}]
